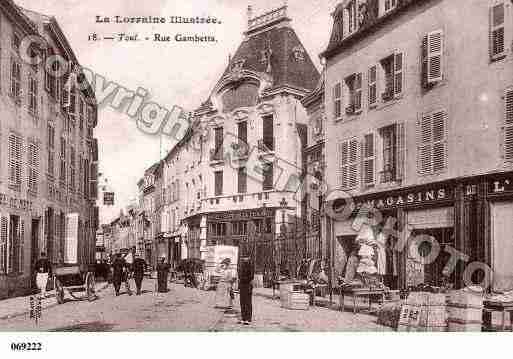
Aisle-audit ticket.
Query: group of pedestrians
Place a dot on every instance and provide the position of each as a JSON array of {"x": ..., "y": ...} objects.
[{"x": 132, "y": 266}]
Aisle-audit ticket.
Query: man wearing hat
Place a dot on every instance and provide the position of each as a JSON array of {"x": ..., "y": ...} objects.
[
  {"x": 162, "y": 274},
  {"x": 246, "y": 275}
]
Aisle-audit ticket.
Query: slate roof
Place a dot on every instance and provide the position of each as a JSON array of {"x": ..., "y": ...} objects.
[{"x": 285, "y": 69}]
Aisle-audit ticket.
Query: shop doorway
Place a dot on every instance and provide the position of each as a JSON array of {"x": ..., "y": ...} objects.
[
  {"x": 502, "y": 248},
  {"x": 433, "y": 273},
  {"x": 34, "y": 239}
]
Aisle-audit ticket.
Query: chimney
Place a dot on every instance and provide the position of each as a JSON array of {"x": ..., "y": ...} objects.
[{"x": 250, "y": 13}]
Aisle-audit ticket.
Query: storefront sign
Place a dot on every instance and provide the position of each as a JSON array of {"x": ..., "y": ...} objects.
[
  {"x": 242, "y": 215},
  {"x": 15, "y": 203},
  {"x": 428, "y": 196},
  {"x": 500, "y": 186}
]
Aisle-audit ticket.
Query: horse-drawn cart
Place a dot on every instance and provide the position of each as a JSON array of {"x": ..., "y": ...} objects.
[
  {"x": 76, "y": 274},
  {"x": 73, "y": 279}
]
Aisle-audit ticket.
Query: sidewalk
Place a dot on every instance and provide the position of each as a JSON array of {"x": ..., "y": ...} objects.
[{"x": 18, "y": 306}]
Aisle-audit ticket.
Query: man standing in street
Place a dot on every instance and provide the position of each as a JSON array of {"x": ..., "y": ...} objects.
[
  {"x": 139, "y": 266},
  {"x": 119, "y": 274},
  {"x": 162, "y": 274},
  {"x": 246, "y": 275},
  {"x": 43, "y": 270}
]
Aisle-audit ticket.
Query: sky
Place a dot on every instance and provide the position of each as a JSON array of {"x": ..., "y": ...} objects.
[{"x": 172, "y": 73}]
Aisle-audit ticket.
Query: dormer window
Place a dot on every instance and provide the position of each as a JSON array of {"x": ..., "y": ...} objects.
[{"x": 351, "y": 17}]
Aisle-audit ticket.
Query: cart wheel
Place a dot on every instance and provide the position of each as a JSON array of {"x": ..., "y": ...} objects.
[
  {"x": 59, "y": 292},
  {"x": 90, "y": 286}
]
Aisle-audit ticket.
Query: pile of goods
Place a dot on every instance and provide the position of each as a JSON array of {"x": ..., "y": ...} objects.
[
  {"x": 291, "y": 296},
  {"x": 389, "y": 313},
  {"x": 465, "y": 311},
  {"x": 423, "y": 312}
]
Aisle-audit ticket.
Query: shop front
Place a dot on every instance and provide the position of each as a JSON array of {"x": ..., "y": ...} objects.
[{"x": 443, "y": 235}]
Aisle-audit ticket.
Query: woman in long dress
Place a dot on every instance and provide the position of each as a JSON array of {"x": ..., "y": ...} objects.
[{"x": 224, "y": 291}]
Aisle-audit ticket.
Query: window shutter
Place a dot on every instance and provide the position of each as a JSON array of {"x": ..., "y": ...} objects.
[
  {"x": 368, "y": 160},
  {"x": 15, "y": 149},
  {"x": 497, "y": 31},
  {"x": 398, "y": 73},
  {"x": 401, "y": 151},
  {"x": 353, "y": 164},
  {"x": 4, "y": 235},
  {"x": 435, "y": 50},
  {"x": 424, "y": 144},
  {"x": 508, "y": 125},
  {"x": 373, "y": 91},
  {"x": 33, "y": 167},
  {"x": 357, "y": 101},
  {"x": 337, "y": 101},
  {"x": 343, "y": 161},
  {"x": 439, "y": 141},
  {"x": 65, "y": 91}
]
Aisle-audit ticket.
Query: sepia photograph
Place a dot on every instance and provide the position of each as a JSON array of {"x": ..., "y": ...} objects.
[{"x": 321, "y": 166}]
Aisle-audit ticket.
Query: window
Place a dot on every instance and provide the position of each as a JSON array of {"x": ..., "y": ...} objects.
[
  {"x": 72, "y": 109},
  {"x": 348, "y": 163},
  {"x": 392, "y": 67},
  {"x": 337, "y": 101},
  {"x": 218, "y": 183},
  {"x": 4, "y": 236},
  {"x": 218, "y": 229},
  {"x": 263, "y": 225},
  {"x": 33, "y": 167},
  {"x": 72, "y": 169},
  {"x": 16, "y": 80},
  {"x": 354, "y": 85},
  {"x": 240, "y": 228},
  {"x": 242, "y": 180},
  {"x": 81, "y": 116},
  {"x": 32, "y": 96},
  {"x": 80, "y": 174},
  {"x": 393, "y": 152},
  {"x": 351, "y": 16},
  {"x": 432, "y": 58},
  {"x": 390, "y": 5},
  {"x": 267, "y": 133},
  {"x": 432, "y": 143},
  {"x": 15, "y": 161},
  {"x": 368, "y": 160},
  {"x": 508, "y": 126},
  {"x": 62, "y": 177},
  {"x": 497, "y": 32},
  {"x": 51, "y": 149},
  {"x": 217, "y": 153},
  {"x": 373, "y": 90},
  {"x": 16, "y": 41},
  {"x": 242, "y": 132},
  {"x": 268, "y": 174}
]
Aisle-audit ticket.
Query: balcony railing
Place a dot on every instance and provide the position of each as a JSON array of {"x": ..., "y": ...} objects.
[{"x": 266, "y": 145}]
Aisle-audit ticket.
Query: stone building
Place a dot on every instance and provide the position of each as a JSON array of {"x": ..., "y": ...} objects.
[
  {"x": 419, "y": 101},
  {"x": 48, "y": 153},
  {"x": 236, "y": 177}
]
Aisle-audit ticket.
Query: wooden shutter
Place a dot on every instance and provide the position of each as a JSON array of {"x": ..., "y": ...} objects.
[
  {"x": 424, "y": 144},
  {"x": 4, "y": 238},
  {"x": 368, "y": 160},
  {"x": 33, "y": 167},
  {"x": 21, "y": 246},
  {"x": 373, "y": 91},
  {"x": 353, "y": 164},
  {"x": 508, "y": 125},
  {"x": 398, "y": 73},
  {"x": 343, "y": 161},
  {"x": 497, "y": 31},
  {"x": 337, "y": 101},
  {"x": 401, "y": 151},
  {"x": 435, "y": 48},
  {"x": 439, "y": 141},
  {"x": 357, "y": 95},
  {"x": 15, "y": 150}
]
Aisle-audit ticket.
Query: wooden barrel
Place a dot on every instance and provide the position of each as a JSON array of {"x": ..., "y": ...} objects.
[{"x": 465, "y": 311}]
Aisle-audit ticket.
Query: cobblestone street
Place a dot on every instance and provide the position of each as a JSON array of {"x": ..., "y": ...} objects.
[{"x": 182, "y": 309}]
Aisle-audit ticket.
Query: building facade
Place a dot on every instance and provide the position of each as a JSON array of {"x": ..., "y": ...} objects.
[
  {"x": 235, "y": 179},
  {"x": 419, "y": 106},
  {"x": 48, "y": 151}
]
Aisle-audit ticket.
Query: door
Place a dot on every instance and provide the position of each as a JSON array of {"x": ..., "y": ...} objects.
[
  {"x": 502, "y": 247},
  {"x": 34, "y": 236}
]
